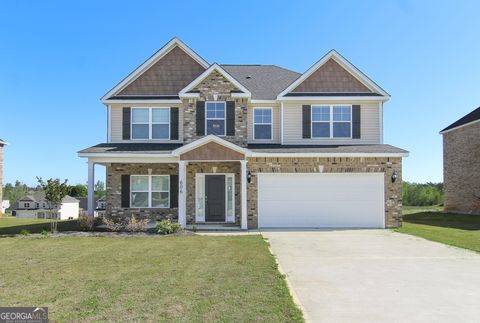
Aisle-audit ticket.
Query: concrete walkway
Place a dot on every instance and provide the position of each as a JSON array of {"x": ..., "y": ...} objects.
[{"x": 378, "y": 276}]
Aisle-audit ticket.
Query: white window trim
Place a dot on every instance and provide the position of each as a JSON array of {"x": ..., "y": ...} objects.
[
  {"x": 271, "y": 122},
  {"x": 331, "y": 122},
  {"x": 224, "y": 117},
  {"x": 150, "y": 123},
  {"x": 149, "y": 191}
]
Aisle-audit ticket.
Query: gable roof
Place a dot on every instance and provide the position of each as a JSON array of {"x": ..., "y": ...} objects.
[
  {"x": 214, "y": 67},
  {"x": 265, "y": 82},
  {"x": 472, "y": 117},
  {"x": 184, "y": 77},
  {"x": 345, "y": 64},
  {"x": 205, "y": 140}
]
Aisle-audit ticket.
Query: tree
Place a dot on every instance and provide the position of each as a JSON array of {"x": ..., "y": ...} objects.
[
  {"x": 79, "y": 190},
  {"x": 55, "y": 191},
  {"x": 99, "y": 189},
  {"x": 14, "y": 193}
]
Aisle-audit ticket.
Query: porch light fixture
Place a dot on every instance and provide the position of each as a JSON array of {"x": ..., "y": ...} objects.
[
  {"x": 249, "y": 176},
  {"x": 394, "y": 176}
]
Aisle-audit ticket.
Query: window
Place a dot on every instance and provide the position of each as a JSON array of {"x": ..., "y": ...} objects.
[
  {"x": 332, "y": 121},
  {"x": 215, "y": 120},
  {"x": 150, "y": 191},
  {"x": 150, "y": 123},
  {"x": 262, "y": 123},
  {"x": 26, "y": 205}
]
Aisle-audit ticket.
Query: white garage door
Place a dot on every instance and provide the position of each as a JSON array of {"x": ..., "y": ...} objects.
[{"x": 321, "y": 200}]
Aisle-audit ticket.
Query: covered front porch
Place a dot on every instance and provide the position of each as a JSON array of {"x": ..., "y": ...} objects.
[{"x": 199, "y": 184}]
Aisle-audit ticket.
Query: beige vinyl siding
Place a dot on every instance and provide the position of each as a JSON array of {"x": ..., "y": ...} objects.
[
  {"x": 369, "y": 123},
  {"x": 116, "y": 114},
  {"x": 275, "y": 123}
]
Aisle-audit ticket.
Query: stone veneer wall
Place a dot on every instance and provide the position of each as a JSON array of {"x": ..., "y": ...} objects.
[
  {"x": 393, "y": 191},
  {"x": 215, "y": 84},
  {"x": 221, "y": 167},
  {"x": 461, "y": 161},
  {"x": 114, "y": 190}
]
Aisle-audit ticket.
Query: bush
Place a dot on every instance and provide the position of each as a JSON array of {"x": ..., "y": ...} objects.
[
  {"x": 131, "y": 224},
  {"x": 168, "y": 227},
  {"x": 422, "y": 194},
  {"x": 88, "y": 223},
  {"x": 44, "y": 233},
  {"x": 24, "y": 232}
]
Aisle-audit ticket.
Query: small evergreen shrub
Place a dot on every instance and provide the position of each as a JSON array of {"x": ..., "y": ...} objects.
[
  {"x": 89, "y": 223},
  {"x": 168, "y": 227},
  {"x": 24, "y": 232},
  {"x": 44, "y": 233}
]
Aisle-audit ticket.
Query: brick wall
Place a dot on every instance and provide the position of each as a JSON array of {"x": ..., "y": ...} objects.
[
  {"x": 393, "y": 191},
  {"x": 461, "y": 161},
  {"x": 114, "y": 189},
  {"x": 216, "y": 84}
]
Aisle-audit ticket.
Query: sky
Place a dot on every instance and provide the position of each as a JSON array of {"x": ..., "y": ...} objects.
[{"x": 58, "y": 58}]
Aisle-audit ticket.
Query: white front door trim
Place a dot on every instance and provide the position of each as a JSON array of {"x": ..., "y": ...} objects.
[{"x": 200, "y": 197}]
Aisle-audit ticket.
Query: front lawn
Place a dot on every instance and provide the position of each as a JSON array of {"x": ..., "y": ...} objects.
[
  {"x": 183, "y": 278},
  {"x": 13, "y": 225},
  {"x": 458, "y": 230}
]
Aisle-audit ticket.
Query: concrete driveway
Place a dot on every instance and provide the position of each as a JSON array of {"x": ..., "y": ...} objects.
[{"x": 378, "y": 276}]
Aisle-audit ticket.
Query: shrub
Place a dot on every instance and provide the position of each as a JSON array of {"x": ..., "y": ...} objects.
[
  {"x": 168, "y": 227},
  {"x": 88, "y": 223},
  {"x": 24, "y": 232},
  {"x": 44, "y": 233},
  {"x": 131, "y": 224}
]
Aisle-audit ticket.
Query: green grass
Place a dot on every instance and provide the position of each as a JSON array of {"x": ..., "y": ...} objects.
[
  {"x": 181, "y": 279},
  {"x": 12, "y": 225},
  {"x": 460, "y": 230}
]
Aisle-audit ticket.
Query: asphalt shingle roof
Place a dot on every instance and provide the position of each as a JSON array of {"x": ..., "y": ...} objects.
[
  {"x": 265, "y": 82},
  {"x": 371, "y": 149},
  {"x": 472, "y": 116},
  {"x": 153, "y": 148},
  {"x": 266, "y": 148}
]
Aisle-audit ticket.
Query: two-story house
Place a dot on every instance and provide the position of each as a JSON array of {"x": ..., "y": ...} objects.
[
  {"x": 255, "y": 146},
  {"x": 35, "y": 206}
]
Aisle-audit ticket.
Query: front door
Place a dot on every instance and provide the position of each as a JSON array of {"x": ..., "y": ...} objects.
[{"x": 215, "y": 198}]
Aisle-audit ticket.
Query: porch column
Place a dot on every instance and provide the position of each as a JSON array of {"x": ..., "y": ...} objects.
[
  {"x": 91, "y": 188},
  {"x": 243, "y": 194},
  {"x": 182, "y": 187}
]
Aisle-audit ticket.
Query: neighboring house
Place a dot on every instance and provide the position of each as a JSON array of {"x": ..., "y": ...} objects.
[
  {"x": 2, "y": 144},
  {"x": 34, "y": 205},
  {"x": 461, "y": 164},
  {"x": 100, "y": 205},
  {"x": 5, "y": 205},
  {"x": 252, "y": 145}
]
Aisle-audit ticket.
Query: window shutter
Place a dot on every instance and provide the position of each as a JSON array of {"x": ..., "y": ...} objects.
[
  {"x": 230, "y": 118},
  {"x": 356, "y": 121},
  {"x": 125, "y": 191},
  {"x": 173, "y": 191},
  {"x": 126, "y": 123},
  {"x": 307, "y": 121},
  {"x": 200, "y": 116},
  {"x": 173, "y": 123}
]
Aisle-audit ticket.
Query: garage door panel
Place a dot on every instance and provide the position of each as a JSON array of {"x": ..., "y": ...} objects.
[{"x": 321, "y": 200}]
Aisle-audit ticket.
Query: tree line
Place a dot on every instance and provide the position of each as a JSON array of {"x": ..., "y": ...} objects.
[
  {"x": 18, "y": 190},
  {"x": 427, "y": 194}
]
